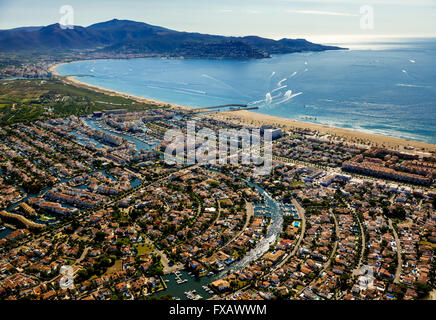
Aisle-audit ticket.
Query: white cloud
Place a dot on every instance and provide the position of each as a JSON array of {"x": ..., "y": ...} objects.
[
  {"x": 225, "y": 11},
  {"x": 324, "y": 13}
]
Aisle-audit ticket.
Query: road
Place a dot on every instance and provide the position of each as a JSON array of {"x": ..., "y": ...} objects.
[
  {"x": 332, "y": 254},
  {"x": 362, "y": 236},
  {"x": 356, "y": 271},
  {"x": 250, "y": 212},
  {"x": 335, "y": 246},
  {"x": 302, "y": 215},
  {"x": 82, "y": 256},
  {"x": 399, "y": 250}
]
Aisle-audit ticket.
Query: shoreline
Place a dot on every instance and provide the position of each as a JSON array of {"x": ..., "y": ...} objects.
[
  {"x": 75, "y": 82},
  {"x": 252, "y": 118},
  {"x": 349, "y": 135}
]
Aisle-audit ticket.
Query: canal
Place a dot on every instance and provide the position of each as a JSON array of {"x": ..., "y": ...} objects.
[
  {"x": 140, "y": 145},
  {"x": 273, "y": 232},
  {"x": 51, "y": 218},
  {"x": 275, "y": 212},
  {"x": 48, "y": 219}
]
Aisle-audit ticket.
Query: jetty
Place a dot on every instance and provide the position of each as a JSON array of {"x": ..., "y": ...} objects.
[
  {"x": 221, "y": 108},
  {"x": 224, "y": 106},
  {"x": 179, "y": 279}
]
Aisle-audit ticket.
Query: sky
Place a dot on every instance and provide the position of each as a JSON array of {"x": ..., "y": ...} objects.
[{"x": 327, "y": 21}]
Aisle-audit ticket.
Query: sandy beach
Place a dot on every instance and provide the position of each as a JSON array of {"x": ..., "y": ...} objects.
[
  {"x": 256, "y": 119},
  {"x": 354, "y": 136},
  {"x": 73, "y": 81}
]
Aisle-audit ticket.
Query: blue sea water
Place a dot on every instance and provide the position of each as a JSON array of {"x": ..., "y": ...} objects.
[{"x": 382, "y": 89}]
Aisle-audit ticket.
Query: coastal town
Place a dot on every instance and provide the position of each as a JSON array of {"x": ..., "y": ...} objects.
[
  {"x": 266, "y": 159},
  {"x": 94, "y": 195}
]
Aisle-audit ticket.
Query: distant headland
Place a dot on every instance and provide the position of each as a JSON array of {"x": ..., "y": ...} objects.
[{"x": 130, "y": 39}]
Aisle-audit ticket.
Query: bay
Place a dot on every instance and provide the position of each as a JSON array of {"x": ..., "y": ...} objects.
[{"x": 382, "y": 89}]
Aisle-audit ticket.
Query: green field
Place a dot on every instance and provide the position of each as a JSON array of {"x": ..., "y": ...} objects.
[
  {"x": 144, "y": 249},
  {"x": 27, "y": 100}
]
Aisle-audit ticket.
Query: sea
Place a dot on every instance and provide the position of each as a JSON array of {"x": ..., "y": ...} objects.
[{"x": 386, "y": 88}]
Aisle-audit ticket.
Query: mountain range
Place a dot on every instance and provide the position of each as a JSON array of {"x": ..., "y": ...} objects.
[{"x": 125, "y": 37}]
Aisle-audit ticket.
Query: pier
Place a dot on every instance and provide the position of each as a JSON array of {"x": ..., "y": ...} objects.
[
  {"x": 179, "y": 279},
  {"x": 222, "y": 108},
  {"x": 225, "y": 106}
]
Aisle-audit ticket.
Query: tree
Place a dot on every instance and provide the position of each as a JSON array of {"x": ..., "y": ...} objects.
[
  {"x": 99, "y": 236},
  {"x": 399, "y": 213},
  {"x": 423, "y": 289}
]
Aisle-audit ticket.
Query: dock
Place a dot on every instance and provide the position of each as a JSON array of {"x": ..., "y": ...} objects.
[
  {"x": 179, "y": 278},
  {"x": 221, "y": 108}
]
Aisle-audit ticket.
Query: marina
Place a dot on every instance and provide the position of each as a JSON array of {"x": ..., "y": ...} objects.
[
  {"x": 139, "y": 140},
  {"x": 189, "y": 288}
]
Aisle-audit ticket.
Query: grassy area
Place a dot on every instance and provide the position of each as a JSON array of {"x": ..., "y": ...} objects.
[
  {"x": 118, "y": 266},
  {"x": 144, "y": 249},
  {"x": 27, "y": 100}
]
